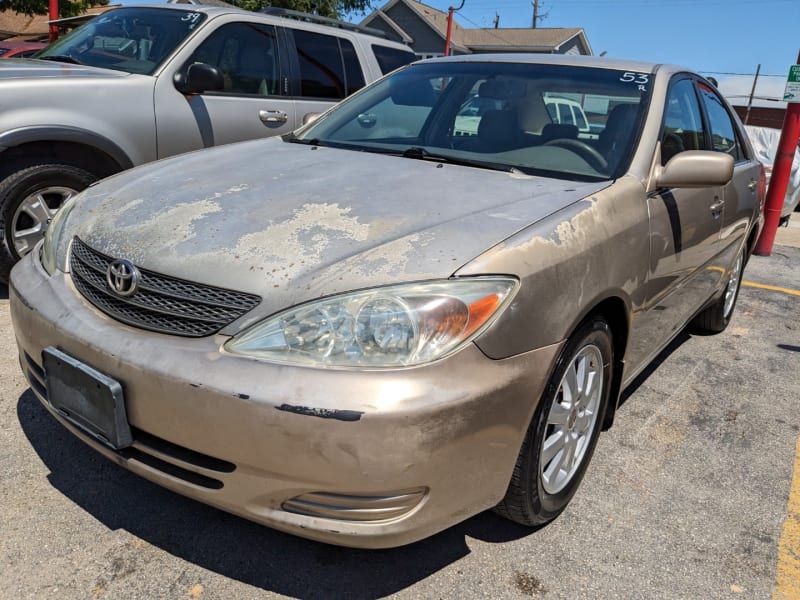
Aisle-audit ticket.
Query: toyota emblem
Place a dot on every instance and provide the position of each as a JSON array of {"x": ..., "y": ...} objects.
[{"x": 122, "y": 277}]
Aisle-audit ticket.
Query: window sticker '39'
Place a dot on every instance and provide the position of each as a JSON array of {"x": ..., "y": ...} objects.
[{"x": 639, "y": 79}]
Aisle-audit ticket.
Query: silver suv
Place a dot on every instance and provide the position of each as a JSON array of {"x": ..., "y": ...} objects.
[{"x": 141, "y": 83}]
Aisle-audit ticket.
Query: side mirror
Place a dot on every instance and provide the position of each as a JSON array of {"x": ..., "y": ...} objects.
[
  {"x": 199, "y": 78},
  {"x": 696, "y": 169}
]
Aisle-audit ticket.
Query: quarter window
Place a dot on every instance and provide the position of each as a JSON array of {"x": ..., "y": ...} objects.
[{"x": 390, "y": 59}]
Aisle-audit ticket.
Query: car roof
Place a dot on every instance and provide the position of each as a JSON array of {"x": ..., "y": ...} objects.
[
  {"x": 215, "y": 11},
  {"x": 597, "y": 62}
]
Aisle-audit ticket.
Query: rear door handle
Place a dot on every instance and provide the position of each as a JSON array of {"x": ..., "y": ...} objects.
[
  {"x": 716, "y": 207},
  {"x": 273, "y": 116},
  {"x": 752, "y": 185}
]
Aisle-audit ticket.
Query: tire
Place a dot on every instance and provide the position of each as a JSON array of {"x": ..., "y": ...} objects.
[
  {"x": 541, "y": 485},
  {"x": 716, "y": 317},
  {"x": 28, "y": 200}
]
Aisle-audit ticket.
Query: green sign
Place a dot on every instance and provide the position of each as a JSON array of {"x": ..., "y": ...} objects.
[{"x": 792, "y": 92}]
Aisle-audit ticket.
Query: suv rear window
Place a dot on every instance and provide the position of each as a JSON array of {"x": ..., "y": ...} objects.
[{"x": 390, "y": 59}]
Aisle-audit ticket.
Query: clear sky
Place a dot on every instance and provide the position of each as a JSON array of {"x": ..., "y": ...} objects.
[{"x": 715, "y": 37}]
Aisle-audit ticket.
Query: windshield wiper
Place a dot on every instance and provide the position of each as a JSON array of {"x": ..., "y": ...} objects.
[
  {"x": 421, "y": 153},
  {"x": 291, "y": 137},
  {"x": 62, "y": 58}
]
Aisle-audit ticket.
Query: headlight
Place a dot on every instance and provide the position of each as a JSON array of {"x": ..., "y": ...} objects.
[
  {"x": 396, "y": 326},
  {"x": 52, "y": 236}
]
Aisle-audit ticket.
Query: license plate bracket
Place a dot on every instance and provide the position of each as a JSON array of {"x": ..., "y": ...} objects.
[{"x": 87, "y": 398}]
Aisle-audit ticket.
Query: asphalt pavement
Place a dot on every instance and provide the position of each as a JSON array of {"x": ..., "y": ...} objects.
[{"x": 689, "y": 495}]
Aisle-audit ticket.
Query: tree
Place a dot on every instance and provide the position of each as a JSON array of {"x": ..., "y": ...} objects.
[
  {"x": 66, "y": 8},
  {"x": 324, "y": 8}
]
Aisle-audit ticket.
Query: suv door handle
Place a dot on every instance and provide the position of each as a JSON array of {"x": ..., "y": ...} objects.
[
  {"x": 273, "y": 116},
  {"x": 716, "y": 207},
  {"x": 752, "y": 185}
]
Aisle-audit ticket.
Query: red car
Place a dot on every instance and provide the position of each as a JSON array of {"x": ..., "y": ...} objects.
[{"x": 20, "y": 49}]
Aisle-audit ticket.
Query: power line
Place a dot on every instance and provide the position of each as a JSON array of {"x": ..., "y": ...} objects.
[{"x": 745, "y": 74}]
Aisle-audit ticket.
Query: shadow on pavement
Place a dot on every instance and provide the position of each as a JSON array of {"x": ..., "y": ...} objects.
[
  {"x": 234, "y": 547},
  {"x": 676, "y": 343},
  {"x": 3, "y": 291}
]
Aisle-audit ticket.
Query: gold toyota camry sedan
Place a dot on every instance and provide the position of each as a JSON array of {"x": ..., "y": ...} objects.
[{"x": 417, "y": 307}]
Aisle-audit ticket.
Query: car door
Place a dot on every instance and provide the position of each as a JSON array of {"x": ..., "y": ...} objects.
[
  {"x": 685, "y": 226},
  {"x": 741, "y": 194},
  {"x": 253, "y": 103}
]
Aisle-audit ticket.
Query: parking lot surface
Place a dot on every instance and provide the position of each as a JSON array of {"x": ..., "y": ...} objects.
[{"x": 689, "y": 495}]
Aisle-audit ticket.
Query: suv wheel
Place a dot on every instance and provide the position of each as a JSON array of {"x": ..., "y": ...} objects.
[{"x": 28, "y": 200}]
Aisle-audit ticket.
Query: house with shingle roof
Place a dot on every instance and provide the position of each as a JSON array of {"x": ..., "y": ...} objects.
[{"x": 424, "y": 29}]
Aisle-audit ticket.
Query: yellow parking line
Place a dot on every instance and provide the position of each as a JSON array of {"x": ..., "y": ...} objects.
[
  {"x": 773, "y": 288},
  {"x": 787, "y": 577}
]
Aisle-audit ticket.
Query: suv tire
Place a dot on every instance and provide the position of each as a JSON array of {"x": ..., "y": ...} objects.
[{"x": 28, "y": 200}]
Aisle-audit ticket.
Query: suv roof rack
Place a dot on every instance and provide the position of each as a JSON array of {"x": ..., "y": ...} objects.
[{"x": 312, "y": 18}]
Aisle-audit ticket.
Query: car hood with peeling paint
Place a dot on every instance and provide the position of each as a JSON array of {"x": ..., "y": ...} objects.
[{"x": 292, "y": 222}]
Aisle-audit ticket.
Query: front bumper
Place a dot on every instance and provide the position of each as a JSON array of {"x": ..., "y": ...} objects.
[{"x": 373, "y": 459}]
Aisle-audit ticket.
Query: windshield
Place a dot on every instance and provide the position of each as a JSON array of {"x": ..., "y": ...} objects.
[
  {"x": 135, "y": 40},
  {"x": 497, "y": 114}
]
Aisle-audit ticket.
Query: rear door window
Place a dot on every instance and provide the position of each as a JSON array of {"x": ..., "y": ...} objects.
[
  {"x": 723, "y": 132},
  {"x": 329, "y": 66}
]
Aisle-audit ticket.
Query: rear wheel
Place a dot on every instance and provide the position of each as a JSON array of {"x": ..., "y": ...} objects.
[
  {"x": 716, "y": 317},
  {"x": 29, "y": 199},
  {"x": 564, "y": 430}
]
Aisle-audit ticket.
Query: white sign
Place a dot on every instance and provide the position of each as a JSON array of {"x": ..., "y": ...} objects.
[{"x": 792, "y": 92}]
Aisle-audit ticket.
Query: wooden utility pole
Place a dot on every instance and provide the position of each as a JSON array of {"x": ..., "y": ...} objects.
[
  {"x": 536, "y": 16},
  {"x": 752, "y": 92}
]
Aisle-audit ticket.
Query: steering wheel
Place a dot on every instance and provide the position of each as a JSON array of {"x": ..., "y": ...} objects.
[{"x": 582, "y": 149}]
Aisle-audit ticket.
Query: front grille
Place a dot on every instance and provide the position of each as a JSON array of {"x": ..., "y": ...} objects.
[{"x": 161, "y": 303}]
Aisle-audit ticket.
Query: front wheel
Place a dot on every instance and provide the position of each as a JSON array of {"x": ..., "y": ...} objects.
[
  {"x": 29, "y": 199},
  {"x": 563, "y": 433}
]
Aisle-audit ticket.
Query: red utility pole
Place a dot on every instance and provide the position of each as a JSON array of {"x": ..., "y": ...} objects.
[
  {"x": 790, "y": 135},
  {"x": 53, "y": 17},
  {"x": 450, "y": 12}
]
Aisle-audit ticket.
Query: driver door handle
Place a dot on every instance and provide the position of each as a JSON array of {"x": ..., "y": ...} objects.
[{"x": 273, "y": 116}]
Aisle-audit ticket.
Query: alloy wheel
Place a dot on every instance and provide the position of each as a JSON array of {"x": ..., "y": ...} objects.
[
  {"x": 571, "y": 420},
  {"x": 33, "y": 216},
  {"x": 733, "y": 287}
]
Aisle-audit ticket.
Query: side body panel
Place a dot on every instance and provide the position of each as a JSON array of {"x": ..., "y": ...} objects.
[
  {"x": 568, "y": 263},
  {"x": 119, "y": 109}
]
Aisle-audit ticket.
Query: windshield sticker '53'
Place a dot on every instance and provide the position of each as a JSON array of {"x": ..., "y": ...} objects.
[{"x": 640, "y": 79}]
